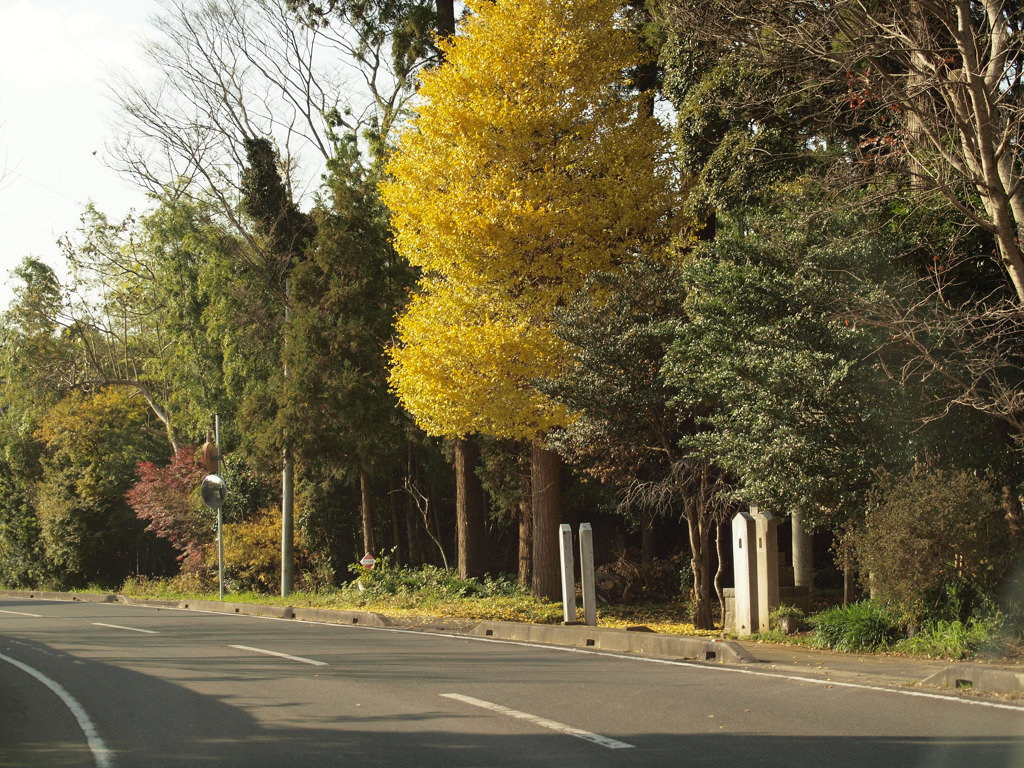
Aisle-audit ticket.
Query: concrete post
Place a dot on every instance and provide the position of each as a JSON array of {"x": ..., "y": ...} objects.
[
  {"x": 744, "y": 560},
  {"x": 587, "y": 575},
  {"x": 568, "y": 574},
  {"x": 803, "y": 555},
  {"x": 767, "y": 529}
]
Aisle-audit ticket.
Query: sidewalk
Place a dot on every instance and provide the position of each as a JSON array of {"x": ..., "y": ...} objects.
[{"x": 1000, "y": 677}]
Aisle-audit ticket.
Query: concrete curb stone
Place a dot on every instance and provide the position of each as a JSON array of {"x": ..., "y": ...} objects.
[
  {"x": 655, "y": 644},
  {"x": 965, "y": 676},
  {"x": 75, "y": 597}
]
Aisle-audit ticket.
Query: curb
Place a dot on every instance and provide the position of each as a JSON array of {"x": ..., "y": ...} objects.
[
  {"x": 977, "y": 677},
  {"x": 323, "y": 615},
  {"x": 671, "y": 646},
  {"x": 75, "y": 597}
]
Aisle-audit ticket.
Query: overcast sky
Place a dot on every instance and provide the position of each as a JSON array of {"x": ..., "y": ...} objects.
[{"x": 55, "y": 118}]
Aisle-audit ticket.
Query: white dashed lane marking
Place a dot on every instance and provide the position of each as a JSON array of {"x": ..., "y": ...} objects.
[
  {"x": 551, "y": 725},
  {"x": 314, "y": 662}
]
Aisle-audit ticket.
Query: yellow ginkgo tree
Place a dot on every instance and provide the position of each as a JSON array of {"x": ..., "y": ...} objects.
[
  {"x": 529, "y": 164},
  {"x": 485, "y": 387}
]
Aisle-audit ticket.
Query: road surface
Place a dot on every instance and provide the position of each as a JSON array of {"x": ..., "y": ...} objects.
[{"x": 85, "y": 684}]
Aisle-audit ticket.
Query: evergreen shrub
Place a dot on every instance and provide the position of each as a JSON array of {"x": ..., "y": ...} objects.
[
  {"x": 858, "y": 627},
  {"x": 935, "y": 545}
]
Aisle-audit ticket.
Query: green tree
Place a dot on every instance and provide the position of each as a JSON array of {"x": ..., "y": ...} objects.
[
  {"x": 181, "y": 256},
  {"x": 31, "y": 350},
  {"x": 93, "y": 444},
  {"x": 345, "y": 295},
  {"x": 625, "y": 429},
  {"x": 791, "y": 401},
  {"x": 906, "y": 110},
  {"x": 22, "y": 554},
  {"x": 284, "y": 234},
  {"x": 131, "y": 314}
]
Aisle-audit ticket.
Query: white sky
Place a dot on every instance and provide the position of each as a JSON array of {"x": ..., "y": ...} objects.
[{"x": 55, "y": 118}]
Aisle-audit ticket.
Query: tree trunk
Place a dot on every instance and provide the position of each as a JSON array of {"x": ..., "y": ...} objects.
[
  {"x": 647, "y": 540},
  {"x": 470, "y": 510},
  {"x": 546, "y": 495},
  {"x": 803, "y": 555},
  {"x": 445, "y": 18},
  {"x": 417, "y": 555},
  {"x": 849, "y": 593},
  {"x": 401, "y": 551},
  {"x": 700, "y": 561},
  {"x": 287, "y": 523},
  {"x": 525, "y": 541},
  {"x": 700, "y": 556},
  {"x": 367, "y": 510},
  {"x": 718, "y": 571}
]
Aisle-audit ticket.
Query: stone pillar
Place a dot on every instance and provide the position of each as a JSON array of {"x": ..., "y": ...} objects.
[
  {"x": 803, "y": 555},
  {"x": 766, "y": 527},
  {"x": 744, "y": 552}
]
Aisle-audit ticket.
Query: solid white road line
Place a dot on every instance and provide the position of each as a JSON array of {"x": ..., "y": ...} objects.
[
  {"x": 99, "y": 750},
  {"x": 314, "y": 662},
  {"x": 130, "y": 629},
  {"x": 596, "y": 738},
  {"x": 19, "y": 613}
]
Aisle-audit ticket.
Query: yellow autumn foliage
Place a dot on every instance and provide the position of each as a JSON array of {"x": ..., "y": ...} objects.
[
  {"x": 486, "y": 385},
  {"x": 528, "y": 165}
]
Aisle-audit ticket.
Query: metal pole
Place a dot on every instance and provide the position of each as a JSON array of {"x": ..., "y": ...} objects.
[
  {"x": 220, "y": 514},
  {"x": 587, "y": 575},
  {"x": 568, "y": 574}
]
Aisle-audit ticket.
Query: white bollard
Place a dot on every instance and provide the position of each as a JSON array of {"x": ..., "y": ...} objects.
[
  {"x": 568, "y": 574},
  {"x": 587, "y": 575}
]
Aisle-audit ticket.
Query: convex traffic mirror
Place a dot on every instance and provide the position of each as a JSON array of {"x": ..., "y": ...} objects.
[{"x": 214, "y": 491}]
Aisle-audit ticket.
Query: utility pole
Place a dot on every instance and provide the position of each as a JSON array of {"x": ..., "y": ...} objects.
[{"x": 287, "y": 479}]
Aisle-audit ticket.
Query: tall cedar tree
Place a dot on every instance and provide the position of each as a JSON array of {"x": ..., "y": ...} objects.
[{"x": 346, "y": 293}]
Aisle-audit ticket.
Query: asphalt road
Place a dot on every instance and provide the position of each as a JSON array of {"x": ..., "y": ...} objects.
[{"x": 86, "y": 684}]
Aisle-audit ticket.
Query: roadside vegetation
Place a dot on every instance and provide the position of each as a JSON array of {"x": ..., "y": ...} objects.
[
  {"x": 425, "y": 592},
  {"x": 868, "y": 626},
  {"x": 636, "y": 264}
]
